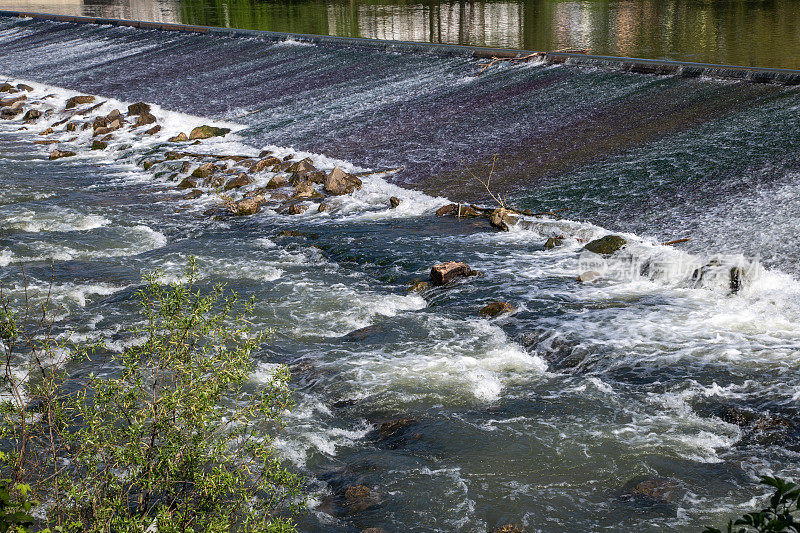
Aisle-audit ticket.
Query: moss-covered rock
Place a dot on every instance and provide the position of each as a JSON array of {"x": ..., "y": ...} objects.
[
  {"x": 206, "y": 132},
  {"x": 606, "y": 245}
]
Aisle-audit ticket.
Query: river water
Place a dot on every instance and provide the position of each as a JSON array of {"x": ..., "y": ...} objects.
[
  {"x": 603, "y": 406},
  {"x": 713, "y": 31}
]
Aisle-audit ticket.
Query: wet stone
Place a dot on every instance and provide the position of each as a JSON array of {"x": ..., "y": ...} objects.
[{"x": 444, "y": 273}]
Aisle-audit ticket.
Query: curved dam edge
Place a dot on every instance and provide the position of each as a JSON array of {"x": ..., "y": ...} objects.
[{"x": 626, "y": 64}]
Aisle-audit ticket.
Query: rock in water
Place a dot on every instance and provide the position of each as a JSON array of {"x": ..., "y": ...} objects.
[
  {"x": 276, "y": 183},
  {"x": 76, "y": 100},
  {"x": 262, "y": 164},
  {"x": 193, "y": 194},
  {"x": 552, "y": 242},
  {"x": 144, "y": 119},
  {"x": 32, "y": 115},
  {"x": 394, "y": 201},
  {"x": 205, "y": 132},
  {"x": 139, "y": 108},
  {"x": 502, "y": 219},
  {"x": 444, "y": 273},
  {"x": 589, "y": 277},
  {"x": 323, "y": 207},
  {"x": 239, "y": 181},
  {"x": 496, "y": 309},
  {"x": 23, "y": 87},
  {"x": 187, "y": 183},
  {"x": 507, "y": 528},
  {"x": 178, "y": 138},
  {"x": 99, "y": 145},
  {"x": 204, "y": 170},
  {"x": 340, "y": 182},
  {"x": 418, "y": 286},
  {"x": 359, "y": 498},
  {"x": 58, "y": 154},
  {"x": 6, "y": 88},
  {"x": 606, "y": 245},
  {"x": 248, "y": 206},
  {"x": 296, "y": 209},
  {"x": 458, "y": 210},
  {"x": 153, "y": 130}
]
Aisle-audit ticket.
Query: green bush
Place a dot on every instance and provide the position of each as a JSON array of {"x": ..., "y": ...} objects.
[
  {"x": 779, "y": 517},
  {"x": 175, "y": 439}
]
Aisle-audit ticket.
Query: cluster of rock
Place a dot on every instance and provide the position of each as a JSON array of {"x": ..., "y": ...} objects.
[{"x": 295, "y": 186}]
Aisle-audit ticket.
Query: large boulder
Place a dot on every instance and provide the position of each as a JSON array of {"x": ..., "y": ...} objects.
[
  {"x": 139, "y": 108},
  {"x": 304, "y": 165},
  {"x": 340, "y": 182},
  {"x": 206, "y": 132},
  {"x": 606, "y": 245},
  {"x": 444, "y": 273},
  {"x": 502, "y": 219},
  {"x": 58, "y": 154},
  {"x": 78, "y": 100}
]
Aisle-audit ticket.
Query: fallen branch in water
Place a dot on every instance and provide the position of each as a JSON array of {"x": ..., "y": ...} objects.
[
  {"x": 676, "y": 241},
  {"x": 528, "y": 57}
]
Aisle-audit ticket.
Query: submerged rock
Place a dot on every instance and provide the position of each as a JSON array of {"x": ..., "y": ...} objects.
[
  {"x": 656, "y": 490},
  {"x": 339, "y": 182},
  {"x": 444, "y": 273},
  {"x": 206, "y": 132},
  {"x": 58, "y": 154},
  {"x": 419, "y": 286},
  {"x": 496, "y": 309},
  {"x": 99, "y": 145},
  {"x": 507, "y": 528},
  {"x": 589, "y": 276},
  {"x": 359, "y": 498},
  {"x": 606, "y": 245},
  {"x": 193, "y": 194}
]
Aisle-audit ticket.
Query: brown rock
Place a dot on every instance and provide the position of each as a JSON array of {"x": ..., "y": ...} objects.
[
  {"x": 248, "y": 206},
  {"x": 359, "y": 498},
  {"x": 187, "y": 183},
  {"x": 70, "y": 126},
  {"x": 239, "y": 181},
  {"x": 58, "y": 154},
  {"x": 394, "y": 201},
  {"x": 496, "y": 309},
  {"x": 144, "y": 119},
  {"x": 100, "y": 122},
  {"x": 6, "y": 88},
  {"x": 552, "y": 242},
  {"x": 444, "y": 273},
  {"x": 23, "y": 87},
  {"x": 99, "y": 145},
  {"x": 323, "y": 207},
  {"x": 276, "y": 183},
  {"x": 296, "y": 209},
  {"x": 101, "y": 131},
  {"x": 339, "y": 182},
  {"x": 204, "y": 170},
  {"x": 178, "y": 138},
  {"x": 507, "y": 528},
  {"x": 458, "y": 210},
  {"x": 186, "y": 167},
  {"x": 48, "y": 131},
  {"x": 47, "y": 141},
  {"x": 419, "y": 286},
  {"x": 32, "y": 115},
  {"x": 262, "y": 164},
  {"x": 502, "y": 219},
  {"x": 8, "y": 102},
  {"x": 305, "y": 191},
  {"x": 115, "y": 124},
  {"x": 153, "y": 130},
  {"x": 139, "y": 108},
  {"x": 114, "y": 115},
  {"x": 205, "y": 132},
  {"x": 78, "y": 100},
  {"x": 192, "y": 195}
]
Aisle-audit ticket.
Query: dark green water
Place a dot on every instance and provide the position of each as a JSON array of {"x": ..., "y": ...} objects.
[{"x": 757, "y": 33}]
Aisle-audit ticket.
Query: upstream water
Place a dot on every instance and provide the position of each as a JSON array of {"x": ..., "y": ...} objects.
[{"x": 549, "y": 418}]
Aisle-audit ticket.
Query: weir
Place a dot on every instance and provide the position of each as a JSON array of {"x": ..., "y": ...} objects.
[{"x": 627, "y": 64}]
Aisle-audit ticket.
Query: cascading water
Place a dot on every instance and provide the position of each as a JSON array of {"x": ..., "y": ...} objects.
[{"x": 608, "y": 405}]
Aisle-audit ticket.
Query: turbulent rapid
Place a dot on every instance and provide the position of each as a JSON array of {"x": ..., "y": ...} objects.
[{"x": 649, "y": 399}]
